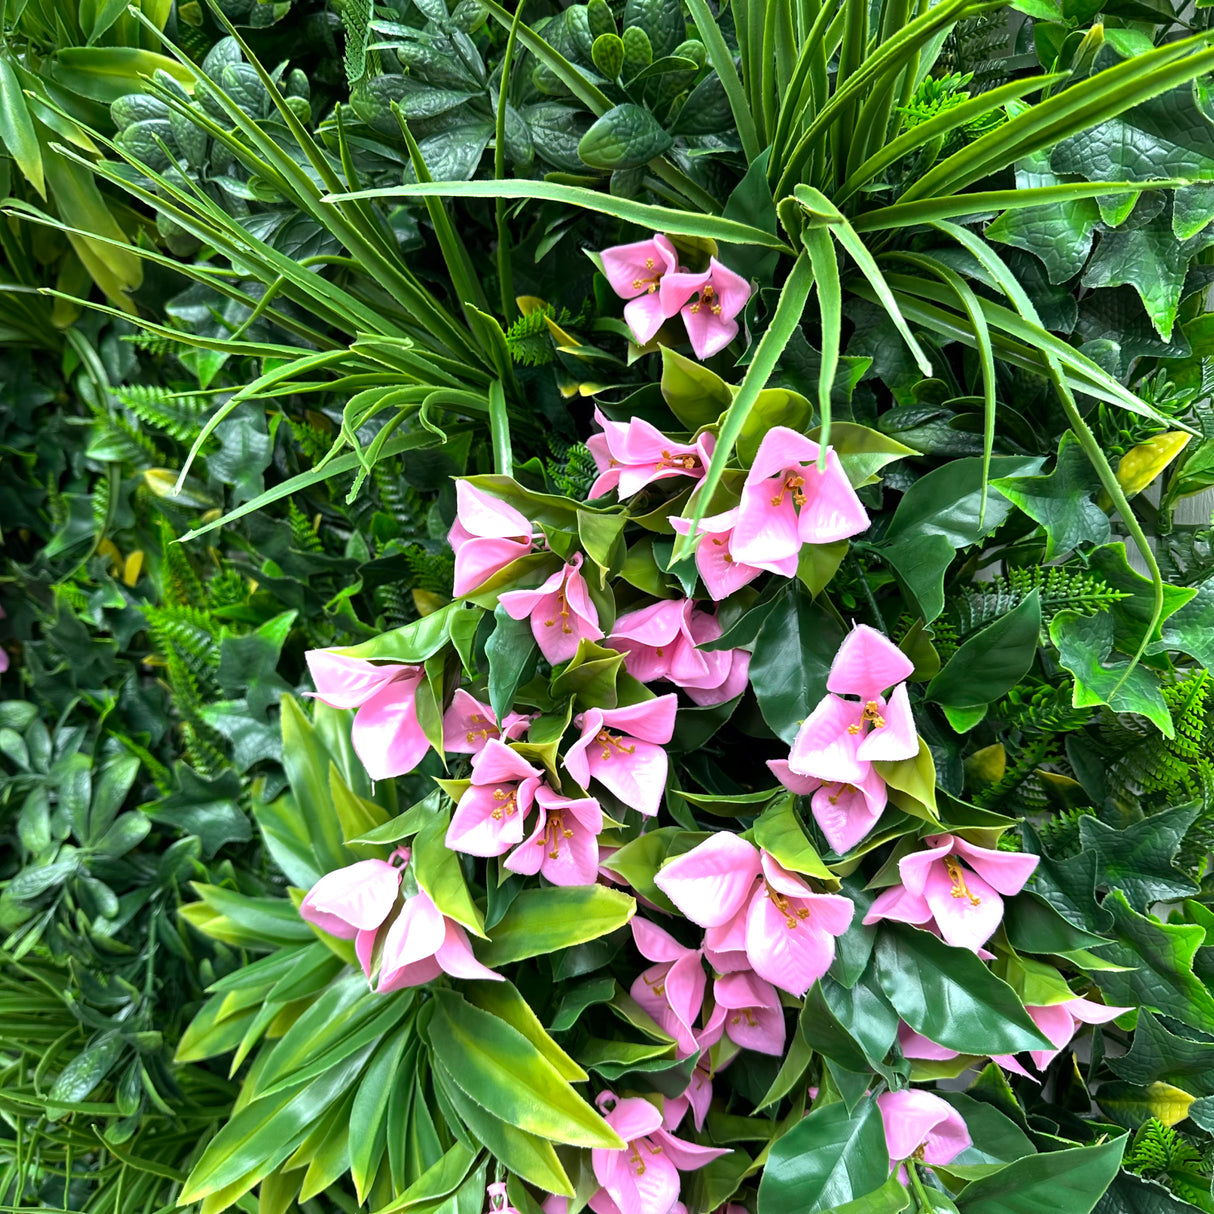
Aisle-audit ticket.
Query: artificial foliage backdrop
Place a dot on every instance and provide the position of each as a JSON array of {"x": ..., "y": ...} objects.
[{"x": 606, "y": 606}]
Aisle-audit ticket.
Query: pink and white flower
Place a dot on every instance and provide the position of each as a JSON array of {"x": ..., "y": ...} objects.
[
  {"x": 757, "y": 914},
  {"x": 955, "y": 887},
  {"x": 468, "y": 725},
  {"x": 1061, "y": 1021},
  {"x": 671, "y": 990},
  {"x": 708, "y": 302},
  {"x": 787, "y": 502},
  {"x": 720, "y": 570},
  {"x": 662, "y": 642},
  {"x": 355, "y": 899},
  {"x": 421, "y": 943},
  {"x": 635, "y": 272},
  {"x": 695, "y": 1098},
  {"x": 562, "y": 613},
  {"x": 622, "y": 749},
  {"x": 833, "y": 753},
  {"x": 488, "y": 821},
  {"x": 633, "y": 454},
  {"x": 564, "y": 843},
  {"x": 488, "y": 534},
  {"x": 499, "y": 1201},
  {"x": 921, "y": 1126},
  {"x": 748, "y": 1011},
  {"x": 643, "y": 1176},
  {"x": 386, "y": 734}
]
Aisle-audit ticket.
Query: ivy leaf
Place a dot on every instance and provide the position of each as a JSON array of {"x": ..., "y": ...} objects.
[
  {"x": 1159, "y": 966},
  {"x": 1157, "y": 1054},
  {"x": 1132, "y": 613},
  {"x": 1059, "y": 234},
  {"x": 208, "y": 808},
  {"x": 1063, "y": 501},
  {"x": 1168, "y": 136},
  {"x": 1084, "y": 644},
  {"x": 1138, "y": 860},
  {"x": 1191, "y": 629},
  {"x": 1149, "y": 258},
  {"x": 244, "y": 453}
]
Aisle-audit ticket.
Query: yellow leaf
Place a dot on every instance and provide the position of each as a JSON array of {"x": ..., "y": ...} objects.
[{"x": 1142, "y": 464}]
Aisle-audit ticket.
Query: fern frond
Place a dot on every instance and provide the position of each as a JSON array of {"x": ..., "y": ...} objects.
[
  {"x": 181, "y": 583},
  {"x": 404, "y": 503},
  {"x": 1060, "y": 589},
  {"x": 573, "y": 471},
  {"x": 181, "y": 415},
  {"x": 303, "y": 533}
]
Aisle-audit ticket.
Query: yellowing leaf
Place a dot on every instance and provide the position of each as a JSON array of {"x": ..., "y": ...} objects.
[{"x": 1142, "y": 464}]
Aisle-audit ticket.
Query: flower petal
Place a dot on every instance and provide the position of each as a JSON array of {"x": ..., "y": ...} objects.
[
  {"x": 866, "y": 664},
  {"x": 713, "y": 881},
  {"x": 825, "y": 746}
]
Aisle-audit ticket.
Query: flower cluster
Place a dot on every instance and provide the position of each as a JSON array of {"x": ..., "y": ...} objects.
[{"x": 574, "y": 786}]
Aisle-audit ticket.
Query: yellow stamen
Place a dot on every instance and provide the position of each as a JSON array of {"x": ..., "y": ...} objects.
[
  {"x": 563, "y": 613},
  {"x": 957, "y": 876},
  {"x": 872, "y": 715},
  {"x": 554, "y": 831},
  {"x": 608, "y": 740},
  {"x": 509, "y": 806},
  {"x": 793, "y": 483},
  {"x": 791, "y": 913}
]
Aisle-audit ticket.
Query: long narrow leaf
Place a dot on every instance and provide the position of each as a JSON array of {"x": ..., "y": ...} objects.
[
  {"x": 662, "y": 219},
  {"x": 825, "y": 269},
  {"x": 721, "y": 58},
  {"x": 784, "y": 322}
]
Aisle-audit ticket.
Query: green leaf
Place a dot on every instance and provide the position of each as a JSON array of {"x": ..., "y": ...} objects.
[
  {"x": 1156, "y": 1054},
  {"x": 206, "y": 807},
  {"x": 542, "y": 921},
  {"x": 512, "y": 654},
  {"x": 991, "y": 662},
  {"x": 1085, "y": 643},
  {"x": 778, "y": 832},
  {"x": 1063, "y": 502},
  {"x": 1139, "y": 859},
  {"x": 1159, "y": 966},
  {"x": 505, "y": 1002},
  {"x": 827, "y": 1159},
  {"x": 625, "y": 137},
  {"x": 1149, "y": 258},
  {"x": 949, "y": 996},
  {"x": 792, "y": 657},
  {"x": 504, "y": 1073},
  {"x": 1034, "y": 926},
  {"x": 654, "y": 218},
  {"x": 1068, "y": 1181},
  {"x": 694, "y": 394},
  {"x": 1191, "y": 629},
  {"x": 17, "y": 132},
  {"x": 526, "y": 1155},
  {"x": 412, "y": 643},
  {"x": 438, "y": 872}
]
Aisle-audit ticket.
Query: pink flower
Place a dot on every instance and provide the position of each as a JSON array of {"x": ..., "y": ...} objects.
[
  {"x": 662, "y": 642},
  {"x": 955, "y": 887},
  {"x": 719, "y": 296},
  {"x": 696, "y": 1097},
  {"x": 920, "y": 1125},
  {"x": 720, "y": 570},
  {"x": 635, "y": 272},
  {"x": 354, "y": 900},
  {"x": 748, "y": 1011},
  {"x": 386, "y": 734},
  {"x": 787, "y": 502},
  {"x": 468, "y": 725},
  {"x": 634, "y": 454},
  {"x": 845, "y": 812},
  {"x": 757, "y": 913},
  {"x": 916, "y": 1046},
  {"x": 488, "y": 821},
  {"x": 564, "y": 844},
  {"x": 499, "y": 1202},
  {"x": 671, "y": 991},
  {"x": 422, "y": 943},
  {"x": 561, "y": 612},
  {"x": 622, "y": 749},
  {"x": 833, "y": 753},
  {"x": 1060, "y": 1022},
  {"x": 643, "y": 1176},
  {"x": 487, "y": 535}
]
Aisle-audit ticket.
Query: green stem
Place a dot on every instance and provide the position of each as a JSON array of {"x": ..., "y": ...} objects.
[
  {"x": 924, "y": 1202},
  {"x": 505, "y": 271}
]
